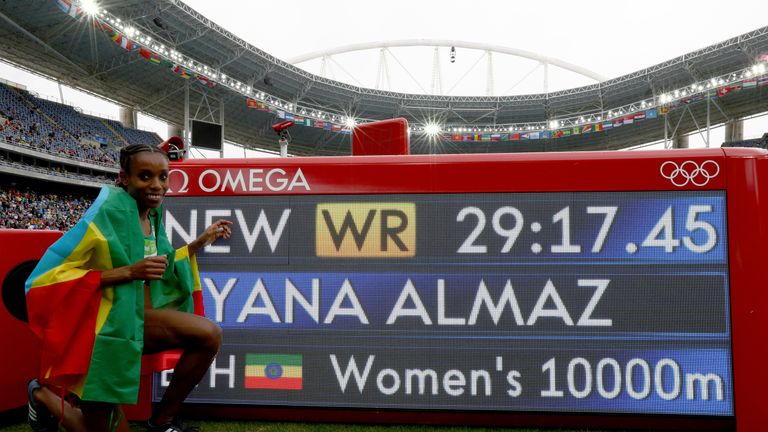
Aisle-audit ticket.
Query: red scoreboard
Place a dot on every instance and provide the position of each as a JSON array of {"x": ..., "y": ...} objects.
[{"x": 591, "y": 289}]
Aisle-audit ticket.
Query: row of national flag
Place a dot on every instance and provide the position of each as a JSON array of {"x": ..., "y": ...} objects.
[
  {"x": 750, "y": 83},
  {"x": 491, "y": 137},
  {"x": 149, "y": 55},
  {"x": 560, "y": 133},
  {"x": 652, "y": 113},
  {"x": 298, "y": 119},
  {"x": 607, "y": 124},
  {"x": 599, "y": 126},
  {"x": 495, "y": 137},
  {"x": 71, "y": 9}
]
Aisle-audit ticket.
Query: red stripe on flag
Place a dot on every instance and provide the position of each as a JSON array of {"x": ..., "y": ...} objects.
[
  {"x": 197, "y": 299},
  {"x": 75, "y": 322},
  {"x": 270, "y": 383}
]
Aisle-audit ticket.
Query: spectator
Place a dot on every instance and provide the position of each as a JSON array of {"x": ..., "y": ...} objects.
[{"x": 28, "y": 209}]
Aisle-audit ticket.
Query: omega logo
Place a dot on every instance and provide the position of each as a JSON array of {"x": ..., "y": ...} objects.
[
  {"x": 239, "y": 180},
  {"x": 185, "y": 180}
]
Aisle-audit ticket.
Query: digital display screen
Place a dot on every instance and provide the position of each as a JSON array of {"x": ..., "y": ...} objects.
[
  {"x": 595, "y": 302},
  {"x": 206, "y": 135}
]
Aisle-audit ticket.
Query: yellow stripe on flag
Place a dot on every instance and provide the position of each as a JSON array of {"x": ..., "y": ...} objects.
[
  {"x": 105, "y": 306},
  {"x": 181, "y": 253},
  {"x": 81, "y": 258},
  {"x": 108, "y": 294}
]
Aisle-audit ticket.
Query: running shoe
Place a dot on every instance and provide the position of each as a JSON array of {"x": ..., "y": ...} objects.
[
  {"x": 172, "y": 426},
  {"x": 38, "y": 416}
]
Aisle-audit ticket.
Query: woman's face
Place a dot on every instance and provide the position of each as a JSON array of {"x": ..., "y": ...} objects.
[{"x": 147, "y": 179}]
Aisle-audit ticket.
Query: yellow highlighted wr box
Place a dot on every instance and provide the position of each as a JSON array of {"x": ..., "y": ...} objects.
[{"x": 365, "y": 230}]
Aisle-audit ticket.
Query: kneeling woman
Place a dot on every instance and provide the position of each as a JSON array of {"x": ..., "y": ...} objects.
[{"x": 111, "y": 289}]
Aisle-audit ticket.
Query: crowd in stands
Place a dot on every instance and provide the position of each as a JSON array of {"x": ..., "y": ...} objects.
[
  {"x": 27, "y": 209},
  {"x": 89, "y": 132},
  {"x": 31, "y": 122},
  {"x": 58, "y": 129},
  {"x": 59, "y": 171}
]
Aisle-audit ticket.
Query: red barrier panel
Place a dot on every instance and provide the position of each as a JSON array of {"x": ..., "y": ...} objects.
[
  {"x": 20, "y": 357},
  {"x": 20, "y": 361},
  {"x": 386, "y": 137}
]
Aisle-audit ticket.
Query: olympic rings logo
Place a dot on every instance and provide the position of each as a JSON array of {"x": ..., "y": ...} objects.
[{"x": 690, "y": 172}]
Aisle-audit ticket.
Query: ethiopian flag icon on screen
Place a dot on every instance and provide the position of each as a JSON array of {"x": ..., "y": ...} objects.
[{"x": 273, "y": 371}]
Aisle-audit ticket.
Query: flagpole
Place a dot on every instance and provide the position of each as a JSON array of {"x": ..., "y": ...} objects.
[
  {"x": 187, "y": 140},
  {"x": 61, "y": 92},
  {"x": 708, "y": 98},
  {"x": 221, "y": 121}
]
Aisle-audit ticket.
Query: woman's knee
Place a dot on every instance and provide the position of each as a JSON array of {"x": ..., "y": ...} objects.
[
  {"x": 171, "y": 329},
  {"x": 211, "y": 335}
]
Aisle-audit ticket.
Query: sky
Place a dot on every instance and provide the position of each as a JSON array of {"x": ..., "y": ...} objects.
[{"x": 607, "y": 37}]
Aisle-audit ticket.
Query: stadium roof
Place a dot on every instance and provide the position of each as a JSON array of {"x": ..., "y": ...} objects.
[{"x": 38, "y": 35}]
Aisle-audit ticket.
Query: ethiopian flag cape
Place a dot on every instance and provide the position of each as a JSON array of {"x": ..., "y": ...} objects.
[{"x": 93, "y": 337}]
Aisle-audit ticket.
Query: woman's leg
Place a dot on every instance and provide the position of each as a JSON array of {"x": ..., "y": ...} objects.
[
  {"x": 73, "y": 417},
  {"x": 103, "y": 417},
  {"x": 197, "y": 337}
]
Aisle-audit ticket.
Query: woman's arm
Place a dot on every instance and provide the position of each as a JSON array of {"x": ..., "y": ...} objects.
[
  {"x": 218, "y": 229},
  {"x": 153, "y": 268},
  {"x": 150, "y": 268}
]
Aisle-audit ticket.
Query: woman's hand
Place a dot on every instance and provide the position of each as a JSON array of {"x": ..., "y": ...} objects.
[
  {"x": 150, "y": 268},
  {"x": 215, "y": 231}
]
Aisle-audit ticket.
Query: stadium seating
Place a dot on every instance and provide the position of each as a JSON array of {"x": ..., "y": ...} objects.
[
  {"x": 134, "y": 136},
  {"x": 23, "y": 123},
  {"x": 58, "y": 129},
  {"x": 30, "y": 122}
]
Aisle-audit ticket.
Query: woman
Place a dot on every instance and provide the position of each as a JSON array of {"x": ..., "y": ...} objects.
[{"x": 111, "y": 289}]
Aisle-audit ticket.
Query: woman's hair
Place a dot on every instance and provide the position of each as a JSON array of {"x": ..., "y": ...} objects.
[{"x": 127, "y": 153}]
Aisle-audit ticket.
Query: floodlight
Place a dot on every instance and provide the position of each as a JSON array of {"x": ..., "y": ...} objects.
[
  {"x": 432, "y": 129},
  {"x": 89, "y": 7}
]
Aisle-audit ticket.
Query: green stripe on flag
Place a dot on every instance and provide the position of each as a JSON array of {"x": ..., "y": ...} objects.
[{"x": 264, "y": 359}]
